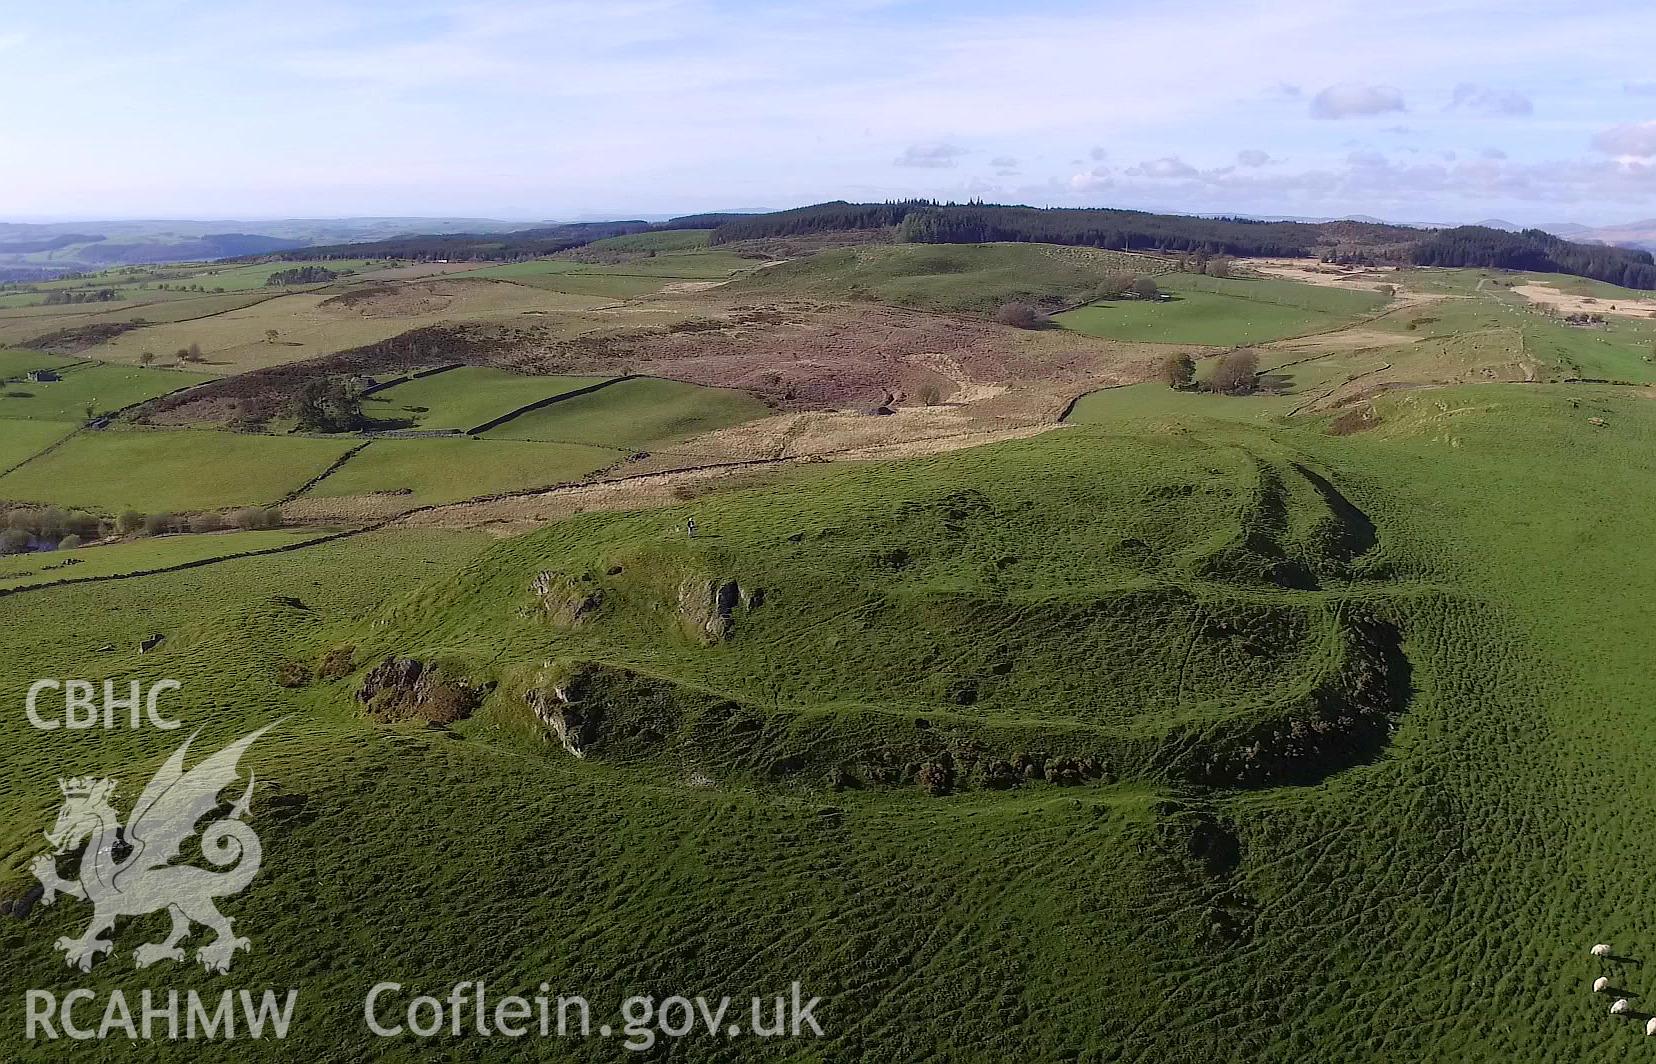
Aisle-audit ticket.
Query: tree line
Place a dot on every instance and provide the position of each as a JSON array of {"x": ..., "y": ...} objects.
[
  {"x": 1538, "y": 251},
  {"x": 25, "y": 530}
]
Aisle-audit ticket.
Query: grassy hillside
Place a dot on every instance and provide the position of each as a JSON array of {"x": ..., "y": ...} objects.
[
  {"x": 973, "y": 278},
  {"x": 1420, "y": 886}
]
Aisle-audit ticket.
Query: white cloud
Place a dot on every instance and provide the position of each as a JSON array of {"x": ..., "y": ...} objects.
[
  {"x": 1350, "y": 100},
  {"x": 1496, "y": 103},
  {"x": 1097, "y": 154},
  {"x": 930, "y": 156},
  {"x": 1253, "y": 157},
  {"x": 1169, "y": 167},
  {"x": 1636, "y": 139}
]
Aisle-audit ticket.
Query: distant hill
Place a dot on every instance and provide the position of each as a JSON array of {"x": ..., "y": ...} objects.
[
  {"x": 489, "y": 247},
  {"x": 1630, "y": 234},
  {"x": 42, "y": 249}
]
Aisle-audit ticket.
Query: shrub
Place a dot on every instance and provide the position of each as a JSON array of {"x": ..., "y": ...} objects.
[
  {"x": 1145, "y": 288},
  {"x": 1179, "y": 371},
  {"x": 201, "y": 523},
  {"x": 936, "y": 778},
  {"x": 54, "y": 524},
  {"x": 14, "y": 541},
  {"x": 129, "y": 522},
  {"x": 273, "y": 518},
  {"x": 1020, "y": 316},
  {"x": 158, "y": 524},
  {"x": 293, "y": 674},
  {"x": 1237, "y": 374},
  {"x": 69, "y": 542},
  {"x": 248, "y": 518}
]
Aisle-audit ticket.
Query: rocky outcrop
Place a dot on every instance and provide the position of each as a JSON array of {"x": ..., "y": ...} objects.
[
  {"x": 403, "y": 689},
  {"x": 708, "y": 608},
  {"x": 565, "y": 599},
  {"x": 575, "y": 724}
]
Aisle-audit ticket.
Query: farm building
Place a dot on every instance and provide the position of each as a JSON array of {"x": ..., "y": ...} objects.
[{"x": 43, "y": 376}]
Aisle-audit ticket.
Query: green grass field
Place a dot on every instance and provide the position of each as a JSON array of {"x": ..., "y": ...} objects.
[
  {"x": 1224, "y": 312},
  {"x": 102, "y": 389},
  {"x": 447, "y": 470},
  {"x": 974, "y": 278},
  {"x": 44, "y": 567},
  {"x": 180, "y": 470},
  {"x": 466, "y": 397},
  {"x": 24, "y": 439},
  {"x": 641, "y": 414}
]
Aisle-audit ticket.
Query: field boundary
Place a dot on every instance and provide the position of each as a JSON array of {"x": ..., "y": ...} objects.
[
  {"x": 333, "y": 467},
  {"x": 541, "y": 404},
  {"x": 195, "y": 564},
  {"x": 420, "y": 375}
]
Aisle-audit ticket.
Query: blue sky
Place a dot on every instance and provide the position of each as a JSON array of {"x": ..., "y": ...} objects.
[{"x": 1416, "y": 110}]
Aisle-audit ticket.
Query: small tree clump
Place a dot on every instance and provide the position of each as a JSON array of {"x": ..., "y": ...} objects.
[
  {"x": 1179, "y": 371},
  {"x": 1115, "y": 286},
  {"x": 202, "y": 523},
  {"x": 330, "y": 404},
  {"x": 1020, "y": 316},
  {"x": 129, "y": 522},
  {"x": 69, "y": 542},
  {"x": 1145, "y": 288},
  {"x": 1236, "y": 374},
  {"x": 158, "y": 524},
  {"x": 14, "y": 541}
]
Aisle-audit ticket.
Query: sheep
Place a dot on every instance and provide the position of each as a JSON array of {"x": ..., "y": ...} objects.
[
  {"x": 1620, "y": 1007},
  {"x": 1602, "y": 949},
  {"x": 1600, "y": 984},
  {"x": 1650, "y": 1027}
]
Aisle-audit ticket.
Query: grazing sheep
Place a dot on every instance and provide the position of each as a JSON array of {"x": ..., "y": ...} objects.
[
  {"x": 1600, "y": 984},
  {"x": 1650, "y": 1027},
  {"x": 1620, "y": 1007},
  {"x": 1602, "y": 949}
]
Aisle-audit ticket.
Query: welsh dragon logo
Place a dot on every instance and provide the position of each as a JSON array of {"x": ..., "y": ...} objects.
[{"x": 130, "y": 871}]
